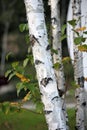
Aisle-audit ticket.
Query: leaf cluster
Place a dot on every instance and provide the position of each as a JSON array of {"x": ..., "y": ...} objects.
[{"x": 9, "y": 107}]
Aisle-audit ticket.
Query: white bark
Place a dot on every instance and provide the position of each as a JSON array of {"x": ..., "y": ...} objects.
[
  {"x": 43, "y": 64},
  {"x": 57, "y": 58},
  {"x": 75, "y": 11},
  {"x": 81, "y": 110},
  {"x": 78, "y": 72},
  {"x": 56, "y": 34}
]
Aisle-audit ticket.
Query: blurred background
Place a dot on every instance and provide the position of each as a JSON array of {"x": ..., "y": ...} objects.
[{"x": 12, "y": 42}]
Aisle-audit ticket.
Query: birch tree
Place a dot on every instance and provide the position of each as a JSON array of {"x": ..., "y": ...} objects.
[
  {"x": 56, "y": 42},
  {"x": 43, "y": 64},
  {"x": 80, "y": 94},
  {"x": 56, "y": 45},
  {"x": 78, "y": 70}
]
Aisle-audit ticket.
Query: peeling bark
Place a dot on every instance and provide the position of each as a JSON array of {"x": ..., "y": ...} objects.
[{"x": 44, "y": 67}]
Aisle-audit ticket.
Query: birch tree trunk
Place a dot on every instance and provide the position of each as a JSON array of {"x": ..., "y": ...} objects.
[
  {"x": 56, "y": 34},
  {"x": 57, "y": 57},
  {"x": 78, "y": 72},
  {"x": 43, "y": 64}
]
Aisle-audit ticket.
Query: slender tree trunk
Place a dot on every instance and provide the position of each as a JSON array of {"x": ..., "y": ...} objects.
[
  {"x": 78, "y": 71},
  {"x": 43, "y": 64},
  {"x": 6, "y": 22},
  {"x": 4, "y": 48},
  {"x": 57, "y": 57},
  {"x": 56, "y": 34}
]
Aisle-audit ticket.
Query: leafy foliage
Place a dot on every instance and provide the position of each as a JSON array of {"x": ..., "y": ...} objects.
[
  {"x": 54, "y": 51},
  {"x": 23, "y": 27},
  {"x": 8, "y": 107},
  {"x": 79, "y": 40},
  {"x": 63, "y": 35},
  {"x": 57, "y": 65},
  {"x": 72, "y": 22},
  {"x": 82, "y": 48}
]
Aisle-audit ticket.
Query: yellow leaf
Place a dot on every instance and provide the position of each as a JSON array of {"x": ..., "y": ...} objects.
[
  {"x": 66, "y": 59},
  {"x": 22, "y": 77},
  {"x": 82, "y": 48},
  {"x": 26, "y": 97},
  {"x": 81, "y": 29},
  {"x": 14, "y": 103}
]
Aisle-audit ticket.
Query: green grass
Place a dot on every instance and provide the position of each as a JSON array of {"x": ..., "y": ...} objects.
[
  {"x": 24, "y": 120},
  {"x": 71, "y": 117},
  {"x": 27, "y": 120}
]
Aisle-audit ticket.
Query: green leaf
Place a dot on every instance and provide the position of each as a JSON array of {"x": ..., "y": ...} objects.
[
  {"x": 79, "y": 40},
  {"x": 29, "y": 49},
  {"x": 23, "y": 27},
  {"x": 8, "y": 55},
  {"x": 6, "y": 107},
  {"x": 83, "y": 39},
  {"x": 19, "y": 87},
  {"x": 15, "y": 64},
  {"x": 14, "y": 109},
  {"x": 57, "y": 65},
  {"x": 63, "y": 37},
  {"x": 75, "y": 32},
  {"x": 30, "y": 56},
  {"x": 85, "y": 32},
  {"x": 72, "y": 22},
  {"x": 63, "y": 29},
  {"x": 39, "y": 107},
  {"x": 25, "y": 62},
  {"x": 11, "y": 75},
  {"x": 7, "y": 73},
  {"x": 27, "y": 38},
  {"x": 54, "y": 51}
]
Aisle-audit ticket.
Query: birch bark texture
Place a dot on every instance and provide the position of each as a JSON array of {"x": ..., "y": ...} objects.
[
  {"x": 43, "y": 64},
  {"x": 80, "y": 93},
  {"x": 56, "y": 45},
  {"x": 75, "y": 12}
]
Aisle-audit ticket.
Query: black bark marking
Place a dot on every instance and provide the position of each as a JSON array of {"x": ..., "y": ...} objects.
[
  {"x": 54, "y": 20},
  {"x": 84, "y": 104},
  {"x": 40, "y": 36},
  {"x": 76, "y": 128},
  {"x": 77, "y": 96},
  {"x": 47, "y": 112},
  {"x": 78, "y": 13},
  {"x": 45, "y": 81},
  {"x": 37, "y": 62},
  {"x": 48, "y": 47},
  {"x": 61, "y": 92},
  {"x": 33, "y": 39},
  {"x": 56, "y": 97},
  {"x": 41, "y": 94},
  {"x": 81, "y": 81}
]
